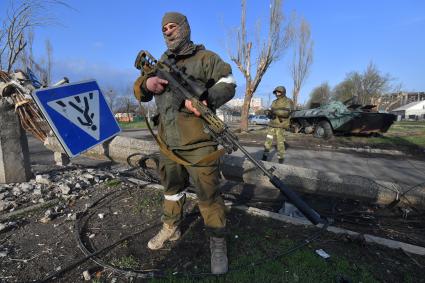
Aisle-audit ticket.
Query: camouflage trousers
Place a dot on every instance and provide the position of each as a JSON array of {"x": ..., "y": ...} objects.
[
  {"x": 280, "y": 140},
  {"x": 175, "y": 178}
]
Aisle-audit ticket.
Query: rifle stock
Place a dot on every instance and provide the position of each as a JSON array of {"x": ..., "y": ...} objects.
[{"x": 185, "y": 87}]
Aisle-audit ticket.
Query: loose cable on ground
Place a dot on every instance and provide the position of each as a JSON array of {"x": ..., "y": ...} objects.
[{"x": 93, "y": 255}]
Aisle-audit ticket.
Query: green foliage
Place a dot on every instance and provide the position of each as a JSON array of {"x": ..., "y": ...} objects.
[
  {"x": 133, "y": 125},
  {"x": 149, "y": 202},
  {"x": 113, "y": 183},
  {"x": 401, "y": 135},
  {"x": 251, "y": 259}
]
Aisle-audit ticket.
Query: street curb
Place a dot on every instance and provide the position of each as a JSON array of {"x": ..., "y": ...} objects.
[
  {"x": 120, "y": 149},
  {"x": 413, "y": 249}
]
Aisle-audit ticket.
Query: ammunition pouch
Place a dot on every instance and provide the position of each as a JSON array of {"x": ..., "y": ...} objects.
[{"x": 137, "y": 88}]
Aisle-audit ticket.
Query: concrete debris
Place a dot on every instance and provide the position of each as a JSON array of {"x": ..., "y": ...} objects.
[
  {"x": 69, "y": 183},
  {"x": 7, "y": 205},
  {"x": 65, "y": 189},
  {"x": 72, "y": 216},
  {"x": 16, "y": 191},
  {"x": 86, "y": 275},
  {"x": 43, "y": 179},
  {"x": 5, "y": 226},
  {"x": 45, "y": 219},
  {"x": 289, "y": 209},
  {"x": 323, "y": 254}
]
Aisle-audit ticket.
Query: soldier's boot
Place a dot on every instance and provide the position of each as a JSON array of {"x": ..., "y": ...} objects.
[
  {"x": 219, "y": 262},
  {"x": 167, "y": 233},
  {"x": 281, "y": 160},
  {"x": 265, "y": 155}
]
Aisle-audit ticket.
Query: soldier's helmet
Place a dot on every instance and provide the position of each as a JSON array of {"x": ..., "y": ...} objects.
[{"x": 280, "y": 89}]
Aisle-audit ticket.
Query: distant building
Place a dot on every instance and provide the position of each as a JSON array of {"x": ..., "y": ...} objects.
[
  {"x": 228, "y": 114},
  {"x": 394, "y": 100},
  {"x": 256, "y": 103},
  {"x": 408, "y": 97},
  {"x": 124, "y": 117},
  {"x": 414, "y": 110}
]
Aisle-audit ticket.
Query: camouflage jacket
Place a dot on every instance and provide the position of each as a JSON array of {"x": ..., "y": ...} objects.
[
  {"x": 179, "y": 128},
  {"x": 280, "y": 109}
]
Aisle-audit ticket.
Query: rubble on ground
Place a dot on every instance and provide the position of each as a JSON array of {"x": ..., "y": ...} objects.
[{"x": 68, "y": 183}]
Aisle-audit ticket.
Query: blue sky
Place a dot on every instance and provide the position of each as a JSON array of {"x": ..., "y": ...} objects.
[{"x": 100, "y": 39}]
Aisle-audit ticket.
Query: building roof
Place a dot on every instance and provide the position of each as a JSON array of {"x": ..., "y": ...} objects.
[{"x": 410, "y": 105}]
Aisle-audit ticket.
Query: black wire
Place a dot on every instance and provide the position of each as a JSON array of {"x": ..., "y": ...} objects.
[
  {"x": 126, "y": 272},
  {"x": 102, "y": 201},
  {"x": 88, "y": 256}
]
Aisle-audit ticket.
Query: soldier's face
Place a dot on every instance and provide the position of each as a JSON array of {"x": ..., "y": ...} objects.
[
  {"x": 176, "y": 35},
  {"x": 170, "y": 31}
]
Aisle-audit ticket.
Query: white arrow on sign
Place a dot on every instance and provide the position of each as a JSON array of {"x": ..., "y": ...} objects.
[{"x": 82, "y": 110}]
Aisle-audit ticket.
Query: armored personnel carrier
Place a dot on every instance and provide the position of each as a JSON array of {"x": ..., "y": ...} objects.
[{"x": 336, "y": 117}]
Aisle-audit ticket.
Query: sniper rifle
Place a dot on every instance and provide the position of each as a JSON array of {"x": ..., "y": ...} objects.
[{"x": 185, "y": 87}]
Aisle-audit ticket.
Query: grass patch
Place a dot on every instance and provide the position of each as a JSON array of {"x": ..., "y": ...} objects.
[
  {"x": 113, "y": 183},
  {"x": 254, "y": 256},
  {"x": 126, "y": 262},
  {"x": 402, "y": 133},
  {"x": 133, "y": 125},
  {"x": 147, "y": 202}
]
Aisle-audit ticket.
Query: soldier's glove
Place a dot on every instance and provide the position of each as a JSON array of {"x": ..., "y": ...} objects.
[{"x": 269, "y": 114}]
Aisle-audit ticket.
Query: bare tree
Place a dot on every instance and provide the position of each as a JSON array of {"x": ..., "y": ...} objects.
[
  {"x": 278, "y": 40},
  {"x": 374, "y": 85},
  {"x": 126, "y": 103},
  {"x": 22, "y": 16},
  {"x": 344, "y": 90},
  {"x": 367, "y": 87},
  {"x": 302, "y": 58},
  {"x": 111, "y": 97},
  {"x": 49, "y": 54},
  {"x": 320, "y": 95}
]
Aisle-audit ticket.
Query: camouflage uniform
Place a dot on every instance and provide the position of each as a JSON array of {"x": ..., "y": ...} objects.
[
  {"x": 279, "y": 121},
  {"x": 184, "y": 133}
]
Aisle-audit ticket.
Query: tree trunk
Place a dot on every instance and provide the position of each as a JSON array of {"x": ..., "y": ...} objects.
[
  {"x": 295, "y": 94},
  {"x": 245, "y": 109}
]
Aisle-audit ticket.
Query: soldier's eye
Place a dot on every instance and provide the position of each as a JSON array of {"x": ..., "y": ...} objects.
[{"x": 169, "y": 27}]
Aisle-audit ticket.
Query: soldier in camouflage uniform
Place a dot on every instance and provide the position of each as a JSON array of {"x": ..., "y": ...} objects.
[
  {"x": 181, "y": 128},
  {"x": 279, "y": 121}
]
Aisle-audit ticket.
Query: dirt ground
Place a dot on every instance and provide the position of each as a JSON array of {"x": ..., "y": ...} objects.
[
  {"x": 256, "y": 136},
  {"x": 114, "y": 210}
]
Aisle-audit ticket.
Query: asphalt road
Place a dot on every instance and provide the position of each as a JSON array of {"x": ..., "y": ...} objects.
[{"x": 401, "y": 170}]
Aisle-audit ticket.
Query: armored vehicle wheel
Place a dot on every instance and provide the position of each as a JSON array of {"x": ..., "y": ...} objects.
[
  {"x": 323, "y": 130},
  {"x": 295, "y": 127}
]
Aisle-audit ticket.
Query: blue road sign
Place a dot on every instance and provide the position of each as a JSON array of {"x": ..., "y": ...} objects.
[{"x": 78, "y": 114}]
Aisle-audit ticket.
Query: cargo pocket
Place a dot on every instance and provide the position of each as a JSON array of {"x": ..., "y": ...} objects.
[{"x": 191, "y": 129}]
